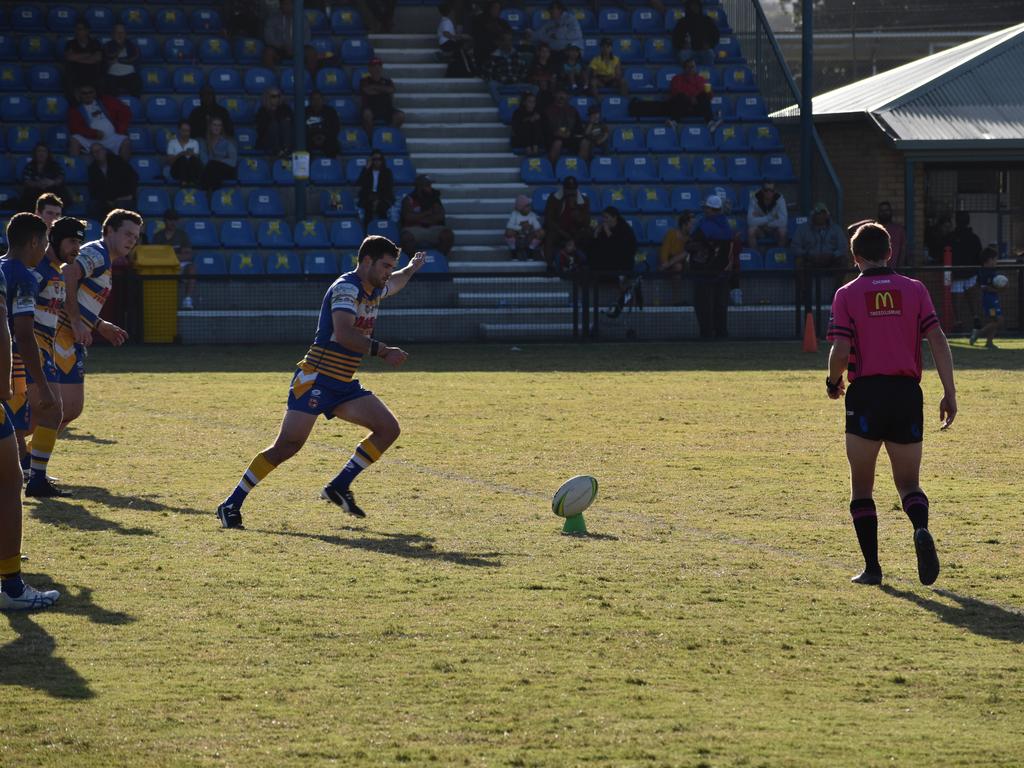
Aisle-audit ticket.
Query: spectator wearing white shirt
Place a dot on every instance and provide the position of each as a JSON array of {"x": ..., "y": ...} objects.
[
  {"x": 456, "y": 47},
  {"x": 524, "y": 234},
  {"x": 767, "y": 216},
  {"x": 119, "y": 56},
  {"x": 182, "y": 158}
]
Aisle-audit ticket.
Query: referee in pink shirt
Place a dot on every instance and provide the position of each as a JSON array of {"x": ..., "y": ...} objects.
[{"x": 878, "y": 321}]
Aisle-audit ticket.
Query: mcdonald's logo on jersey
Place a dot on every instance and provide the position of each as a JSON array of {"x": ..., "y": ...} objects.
[{"x": 882, "y": 303}]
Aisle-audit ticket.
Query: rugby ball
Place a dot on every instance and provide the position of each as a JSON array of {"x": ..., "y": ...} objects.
[
  {"x": 1000, "y": 281},
  {"x": 575, "y": 495}
]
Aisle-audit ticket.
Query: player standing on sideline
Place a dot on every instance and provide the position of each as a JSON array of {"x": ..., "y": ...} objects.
[
  {"x": 87, "y": 281},
  {"x": 324, "y": 382},
  {"x": 878, "y": 321},
  {"x": 26, "y": 238}
]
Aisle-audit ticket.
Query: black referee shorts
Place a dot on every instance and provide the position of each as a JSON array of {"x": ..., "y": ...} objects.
[{"x": 889, "y": 408}]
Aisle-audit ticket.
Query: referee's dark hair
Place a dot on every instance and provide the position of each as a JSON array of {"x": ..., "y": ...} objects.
[
  {"x": 375, "y": 247},
  {"x": 871, "y": 242},
  {"x": 23, "y": 228}
]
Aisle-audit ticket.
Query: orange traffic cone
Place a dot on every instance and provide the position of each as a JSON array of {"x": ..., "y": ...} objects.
[{"x": 810, "y": 335}]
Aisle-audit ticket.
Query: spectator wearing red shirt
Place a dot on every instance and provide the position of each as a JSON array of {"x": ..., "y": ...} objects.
[
  {"x": 102, "y": 120},
  {"x": 690, "y": 94}
]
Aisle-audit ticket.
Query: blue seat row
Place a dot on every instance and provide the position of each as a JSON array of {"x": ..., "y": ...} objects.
[
  {"x": 282, "y": 263},
  {"x": 277, "y": 233},
  {"x": 615, "y": 108},
  {"x": 673, "y": 169},
  {"x": 613, "y": 20},
  {"x": 656, "y": 199}
]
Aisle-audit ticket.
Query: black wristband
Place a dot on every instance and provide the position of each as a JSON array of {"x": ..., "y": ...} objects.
[
  {"x": 832, "y": 388},
  {"x": 374, "y": 348}
]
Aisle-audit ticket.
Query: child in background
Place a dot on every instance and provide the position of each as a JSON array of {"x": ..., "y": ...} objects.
[
  {"x": 990, "y": 307},
  {"x": 569, "y": 258},
  {"x": 523, "y": 232},
  {"x": 596, "y": 131},
  {"x": 573, "y": 76}
]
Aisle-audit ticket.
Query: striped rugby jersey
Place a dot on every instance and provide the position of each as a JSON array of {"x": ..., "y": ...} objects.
[
  {"x": 20, "y": 297},
  {"x": 49, "y": 302}
]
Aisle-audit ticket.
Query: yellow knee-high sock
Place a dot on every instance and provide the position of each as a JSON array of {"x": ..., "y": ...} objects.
[
  {"x": 43, "y": 440},
  {"x": 257, "y": 470}
]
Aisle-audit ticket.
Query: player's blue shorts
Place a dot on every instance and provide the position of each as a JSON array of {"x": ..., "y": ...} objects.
[
  {"x": 991, "y": 306},
  {"x": 50, "y": 370},
  {"x": 6, "y": 422},
  {"x": 21, "y": 418},
  {"x": 319, "y": 394},
  {"x": 77, "y": 373}
]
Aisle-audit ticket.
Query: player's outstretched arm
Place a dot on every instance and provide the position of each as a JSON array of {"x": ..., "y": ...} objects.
[
  {"x": 943, "y": 357},
  {"x": 838, "y": 360},
  {"x": 400, "y": 279}
]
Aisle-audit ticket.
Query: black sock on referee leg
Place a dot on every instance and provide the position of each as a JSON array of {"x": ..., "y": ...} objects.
[
  {"x": 865, "y": 523},
  {"x": 915, "y": 504}
]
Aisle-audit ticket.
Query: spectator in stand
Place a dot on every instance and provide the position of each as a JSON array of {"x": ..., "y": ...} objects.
[
  {"x": 690, "y": 96},
  {"x": 200, "y": 117},
  {"x": 379, "y": 15},
  {"x": 573, "y": 75},
  {"x": 488, "y": 30},
  {"x": 278, "y": 34},
  {"x": 219, "y": 155},
  {"x": 49, "y": 208},
  {"x": 243, "y": 18},
  {"x": 179, "y": 241},
  {"x": 605, "y": 70},
  {"x": 102, "y": 120},
  {"x": 596, "y": 134},
  {"x": 561, "y": 31},
  {"x": 523, "y": 232},
  {"x": 274, "y": 125},
  {"x": 83, "y": 60},
  {"x": 566, "y": 219},
  {"x": 182, "y": 157},
  {"x": 695, "y": 35},
  {"x": 672, "y": 256},
  {"x": 966, "y": 248},
  {"x": 42, "y": 174},
  {"x": 767, "y": 216},
  {"x": 542, "y": 76},
  {"x": 505, "y": 66},
  {"x": 322, "y": 126},
  {"x": 378, "y": 93},
  {"x": 376, "y": 189},
  {"x": 422, "y": 219},
  {"x": 456, "y": 47},
  {"x": 528, "y": 132},
  {"x": 564, "y": 129},
  {"x": 897, "y": 236},
  {"x": 818, "y": 244},
  {"x": 119, "y": 56},
  {"x": 613, "y": 247},
  {"x": 113, "y": 183},
  {"x": 711, "y": 254}
]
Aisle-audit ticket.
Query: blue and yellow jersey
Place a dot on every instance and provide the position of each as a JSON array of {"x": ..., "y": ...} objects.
[
  {"x": 326, "y": 355},
  {"x": 20, "y": 297},
  {"x": 93, "y": 289},
  {"x": 49, "y": 302}
]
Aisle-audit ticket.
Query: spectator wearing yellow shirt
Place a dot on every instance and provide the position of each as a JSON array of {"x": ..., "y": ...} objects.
[
  {"x": 605, "y": 70},
  {"x": 672, "y": 257}
]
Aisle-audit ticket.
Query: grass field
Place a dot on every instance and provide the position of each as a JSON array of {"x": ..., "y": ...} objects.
[{"x": 707, "y": 621}]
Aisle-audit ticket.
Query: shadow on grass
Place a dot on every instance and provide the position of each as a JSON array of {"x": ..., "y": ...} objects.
[
  {"x": 974, "y": 615},
  {"x": 409, "y": 545},
  {"x": 71, "y": 434},
  {"x": 71, "y": 512},
  {"x": 30, "y": 660}
]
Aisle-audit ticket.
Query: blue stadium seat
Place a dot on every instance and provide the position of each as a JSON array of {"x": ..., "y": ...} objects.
[
  {"x": 136, "y": 19},
  {"x": 347, "y": 233},
  {"x": 402, "y": 169},
  {"x": 353, "y": 168},
  {"x": 605, "y": 169},
  {"x": 245, "y": 137},
  {"x": 613, "y": 21},
  {"x": 728, "y": 50},
  {"x": 779, "y": 258},
  {"x": 389, "y": 140},
  {"x": 153, "y": 225},
  {"x": 16, "y": 108},
  {"x": 9, "y": 199},
  {"x": 61, "y": 18},
  {"x": 44, "y": 77},
  {"x": 283, "y": 263},
  {"x": 672, "y": 17},
  {"x": 281, "y": 172},
  {"x": 92, "y": 230},
  {"x": 628, "y": 139},
  {"x": 743, "y": 195},
  {"x": 215, "y": 50},
  {"x": 35, "y": 48},
  {"x": 695, "y": 138},
  {"x": 685, "y": 199},
  {"x": 259, "y": 79},
  {"x": 245, "y": 263},
  {"x": 100, "y": 19},
  {"x": 744, "y": 168},
  {"x": 152, "y": 202},
  {"x": 630, "y": 50},
  {"x": 507, "y": 105},
  {"x": 162, "y": 135},
  {"x": 11, "y": 78},
  {"x": 712, "y": 75},
  {"x": 731, "y": 138},
  {"x": 582, "y": 105},
  {"x": 674, "y": 169},
  {"x": 8, "y": 47},
  {"x": 356, "y": 50},
  {"x": 155, "y": 79},
  {"x": 148, "y": 168},
  {"x": 738, "y": 79},
  {"x": 539, "y": 199},
  {"x": 638, "y": 230},
  {"x": 658, "y": 227},
  {"x": 332, "y": 80},
  {"x": 777, "y": 168},
  {"x": 188, "y": 79},
  {"x": 142, "y": 141},
  {"x": 311, "y": 233},
  {"x": 22, "y": 138},
  {"x": 709, "y": 169},
  {"x": 658, "y": 50},
  {"x": 337, "y": 202},
  {"x": 723, "y": 106},
  {"x": 717, "y": 14},
  {"x": 384, "y": 228},
  {"x": 225, "y": 80},
  {"x": 27, "y": 18},
  {"x": 639, "y": 79},
  {"x": 591, "y": 47},
  {"x": 647, "y": 21},
  {"x": 134, "y": 106},
  {"x": 570, "y": 165},
  {"x": 56, "y": 139},
  {"x": 640, "y": 168},
  {"x": 539, "y": 18},
  {"x": 662, "y": 139},
  {"x": 764, "y": 138},
  {"x": 274, "y": 233},
  {"x": 202, "y": 233},
  {"x": 241, "y": 110},
  {"x": 347, "y": 107},
  {"x": 254, "y": 171},
  {"x": 665, "y": 76},
  {"x": 191, "y": 202},
  {"x": 210, "y": 263},
  {"x": 228, "y": 201},
  {"x": 435, "y": 263},
  {"x": 326, "y": 170},
  {"x": 179, "y": 50},
  {"x": 318, "y": 23},
  {"x": 321, "y": 263},
  {"x": 536, "y": 170},
  {"x": 750, "y": 109},
  {"x": 237, "y": 233},
  {"x": 205, "y": 20},
  {"x": 353, "y": 141},
  {"x": 7, "y": 173},
  {"x": 171, "y": 21},
  {"x": 515, "y": 18},
  {"x": 653, "y": 200},
  {"x": 76, "y": 169},
  {"x": 727, "y": 194},
  {"x": 51, "y": 109},
  {"x": 749, "y": 259},
  {"x": 248, "y": 50},
  {"x": 266, "y": 202},
  {"x": 149, "y": 48},
  {"x": 161, "y": 109},
  {"x": 346, "y": 21},
  {"x": 586, "y": 19}
]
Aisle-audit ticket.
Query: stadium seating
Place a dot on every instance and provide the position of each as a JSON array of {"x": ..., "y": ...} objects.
[
  {"x": 245, "y": 263},
  {"x": 191, "y": 202},
  {"x": 210, "y": 263},
  {"x": 537, "y": 170},
  {"x": 570, "y": 165},
  {"x": 254, "y": 171},
  {"x": 606, "y": 169},
  {"x": 283, "y": 263},
  {"x": 51, "y": 109},
  {"x": 321, "y": 263},
  {"x": 266, "y": 202},
  {"x": 311, "y": 233},
  {"x": 152, "y": 202},
  {"x": 347, "y": 233},
  {"x": 237, "y": 233},
  {"x": 402, "y": 169},
  {"x": 229, "y": 201},
  {"x": 326, "y": 170},
  {"x": 201, "y": 233},
  {"x": 640, "y": 168},
  {"x": 337, "y": 202},
  {"x": 674, "y": 169}
]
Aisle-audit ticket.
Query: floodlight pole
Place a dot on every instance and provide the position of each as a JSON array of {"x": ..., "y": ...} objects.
[
  {"x": 299, "y": 97},
  {"x": 806, "y": 109}
]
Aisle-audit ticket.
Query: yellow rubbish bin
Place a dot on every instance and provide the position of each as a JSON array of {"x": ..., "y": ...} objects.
[{"x": 159, "y": 296}]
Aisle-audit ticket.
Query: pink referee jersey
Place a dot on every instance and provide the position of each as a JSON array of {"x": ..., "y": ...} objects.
[{"x": 884, "y": 316}]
